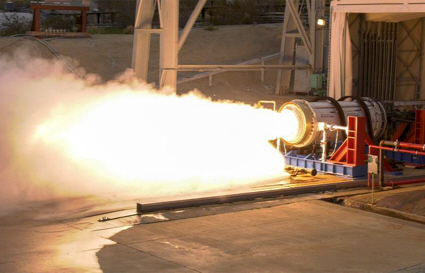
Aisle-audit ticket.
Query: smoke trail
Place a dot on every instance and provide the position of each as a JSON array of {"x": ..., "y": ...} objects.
[{"x": 62, "y": 136}]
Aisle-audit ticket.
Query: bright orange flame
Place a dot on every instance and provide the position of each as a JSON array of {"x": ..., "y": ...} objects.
[
  {"x": 291, "y": 127},
  {"x": 65, "y": 137},
  {"x": 175, "y": 144}
]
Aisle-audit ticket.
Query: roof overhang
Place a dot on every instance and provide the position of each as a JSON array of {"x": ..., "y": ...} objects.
[{"x": 378, "y": 6}]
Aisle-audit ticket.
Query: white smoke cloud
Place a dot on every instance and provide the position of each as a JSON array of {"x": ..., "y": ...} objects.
[{"x": 64, "y": 136}]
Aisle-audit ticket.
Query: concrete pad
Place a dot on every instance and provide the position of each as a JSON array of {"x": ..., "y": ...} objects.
[
  {"x": 33, "y": 248},
  {"x": 127, "y": 259},
  {"x": 302, "y": 237}
]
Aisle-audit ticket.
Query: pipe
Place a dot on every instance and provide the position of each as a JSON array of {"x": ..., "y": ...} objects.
[
  {"x": 381, "y": 159},
  {"x": 337, "y": 127},
  {"x": 397, "y": 144},
  {"x": 237, "y": 67},
  {"x": 405, "y": 182},
  {"x": 381, "y": 165},
  {"x": 323, "y": 144},
  {"x": 395, "y": 150}
]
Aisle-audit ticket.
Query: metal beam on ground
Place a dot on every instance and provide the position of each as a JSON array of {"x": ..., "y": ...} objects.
[
  {"x": 249, "y": 196},
  {"x": 143, "y": 208}
]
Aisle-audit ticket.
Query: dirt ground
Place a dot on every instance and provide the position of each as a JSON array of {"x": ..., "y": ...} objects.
[
  {"x": 409, "y": 199},
  {"x": 110, "y": 55}
]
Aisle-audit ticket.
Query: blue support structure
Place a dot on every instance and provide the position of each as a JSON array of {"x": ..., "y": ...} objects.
[
  {"x": 310, "y": 162},
  {"x": 407, "y": 158}
]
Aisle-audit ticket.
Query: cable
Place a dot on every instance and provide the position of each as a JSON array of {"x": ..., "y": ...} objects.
[{"x": 57, "y": 54}]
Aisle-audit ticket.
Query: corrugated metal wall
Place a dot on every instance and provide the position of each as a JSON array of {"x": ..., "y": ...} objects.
[{"x": 378, "y": 60}]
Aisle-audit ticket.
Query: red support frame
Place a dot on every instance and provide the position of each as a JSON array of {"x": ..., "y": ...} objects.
[
  {"x": 419, "y": 127},
  {"x": 417, "y": 134},
  {"x": 356, "y": 136},
  {"x": 400, "y": 130},
  {"x": 36, "y": 18},
  {"x": 352, "y": 151}
]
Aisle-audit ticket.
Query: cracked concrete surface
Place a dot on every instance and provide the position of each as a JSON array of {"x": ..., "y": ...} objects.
[{"x": 304, "y": 236}]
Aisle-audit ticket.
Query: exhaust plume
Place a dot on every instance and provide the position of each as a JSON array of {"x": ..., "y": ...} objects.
[{"x": 63, "y": 136}]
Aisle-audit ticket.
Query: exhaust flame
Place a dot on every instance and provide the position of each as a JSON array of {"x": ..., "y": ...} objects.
[
  {"x": 292, "y": 125},
  {"x": 65, "y": 137}
]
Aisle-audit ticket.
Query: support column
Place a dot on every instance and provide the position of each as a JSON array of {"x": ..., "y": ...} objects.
[
  {"x": 287, "y": 49},
  {"x": 195, "y": 14},
  {"x": 422, "y": 79},
  {"x": 312, "y": 21},
  {"x": 356, "y": 141},
  {"x": 142, "y": 38},
  {"x": 169, "y": 44},
  {"x": 36, "y": 20},
  {"x": 83, "y": 21},
  {"x": 319, "y": 36}
]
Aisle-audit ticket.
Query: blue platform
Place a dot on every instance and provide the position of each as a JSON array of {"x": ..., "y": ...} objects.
[
  {"x": 310, "y": 162},
  {"x": 406, "y": 158}
]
